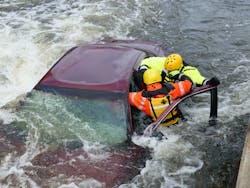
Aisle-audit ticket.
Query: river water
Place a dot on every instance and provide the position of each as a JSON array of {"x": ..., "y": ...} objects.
[{"x": 212, "y": 35}]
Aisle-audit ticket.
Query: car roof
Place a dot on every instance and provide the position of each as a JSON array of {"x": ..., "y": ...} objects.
[{"x": 105, "y": 67}]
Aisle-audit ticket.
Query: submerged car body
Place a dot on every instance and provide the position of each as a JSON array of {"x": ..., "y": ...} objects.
[
  {"x": 91, "y": 84},
  {"x": 90, "y": 117},
  {"x": 100, "y": 71}
]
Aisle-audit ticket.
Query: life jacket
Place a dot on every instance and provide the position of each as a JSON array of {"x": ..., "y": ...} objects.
[
  {"x": 153, "y": 106},
  {"x": 158, "y": 105}
]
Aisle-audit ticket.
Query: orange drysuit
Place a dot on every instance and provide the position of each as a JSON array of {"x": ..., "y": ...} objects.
[{"x": 153, "y": 106}]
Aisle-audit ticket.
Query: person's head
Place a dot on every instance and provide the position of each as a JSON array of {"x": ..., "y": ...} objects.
[
  {"x": 152, "y": 78},
  {"x": 173, "y": 62}
]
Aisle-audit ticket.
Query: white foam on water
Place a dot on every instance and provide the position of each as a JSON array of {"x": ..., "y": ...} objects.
[
  {"x": 32, "y": 38},
  {"x": 229, "y": 107},
  {"x": 189, "y": 169},
  {"x": 35, "y": 37},
  {"x": 145, "y": 141},
  {"x": 166, "y": 152},
  {"x": 88, "y": 183},
  {"x": 6, "y": 116},
  {"x": 13, "y": 173}
]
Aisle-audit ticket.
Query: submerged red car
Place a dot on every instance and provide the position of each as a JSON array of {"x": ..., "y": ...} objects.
[
  {"x": 101, "y": 74},
  {"x": 75, "y": 126},
  {"x": 91, "y": 83}
]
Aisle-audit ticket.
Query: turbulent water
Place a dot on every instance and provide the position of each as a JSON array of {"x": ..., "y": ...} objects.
[{"x": 212, "y": 35}]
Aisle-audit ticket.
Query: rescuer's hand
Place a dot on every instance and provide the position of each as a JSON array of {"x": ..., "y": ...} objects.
[{"x": 212, "y": 81}]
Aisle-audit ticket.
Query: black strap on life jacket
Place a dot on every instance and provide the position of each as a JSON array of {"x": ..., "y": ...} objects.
[
  {"x": 163, "y": 75},
  {"x": 166, "y": 88},
  {"x": 152, "y": 107},
  {"x": 184, "y": 65},
  {"x": 182, "y": 68},
  {"x": 172, "y": 118}
]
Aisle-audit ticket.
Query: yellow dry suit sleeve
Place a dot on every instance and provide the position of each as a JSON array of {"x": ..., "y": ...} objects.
[
  {"x": 194, "y": 74},
  {"x": 156, "y": 63}
]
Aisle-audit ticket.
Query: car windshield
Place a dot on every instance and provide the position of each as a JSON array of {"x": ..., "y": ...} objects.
[{"x": 64, "y": 119}]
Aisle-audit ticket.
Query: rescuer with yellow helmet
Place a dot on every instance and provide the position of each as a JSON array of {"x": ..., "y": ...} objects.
[
  {"x": 177, "y": 68},
  {"x": 156, "y": 63},
  {"x": 157, "y": 96}
]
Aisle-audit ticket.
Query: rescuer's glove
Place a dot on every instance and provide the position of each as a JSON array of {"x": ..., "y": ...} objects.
[{"x": 211, "y": 81}]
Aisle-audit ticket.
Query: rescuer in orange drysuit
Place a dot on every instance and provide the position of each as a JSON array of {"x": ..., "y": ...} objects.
[{"x": 157, "y": 96}]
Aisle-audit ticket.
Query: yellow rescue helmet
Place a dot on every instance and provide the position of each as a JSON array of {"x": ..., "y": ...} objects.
[
  {"x": 151, "y": 76},
  {"x": 173, "y": 62}
]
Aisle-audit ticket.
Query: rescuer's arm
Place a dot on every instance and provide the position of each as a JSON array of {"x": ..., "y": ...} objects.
[{"x": 181, "y": 88}]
